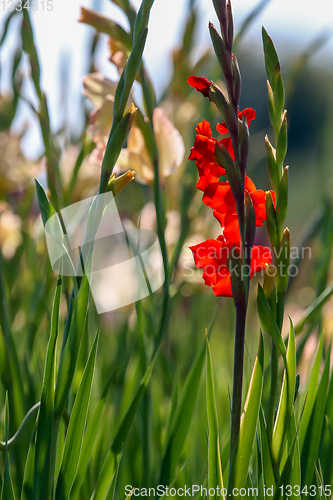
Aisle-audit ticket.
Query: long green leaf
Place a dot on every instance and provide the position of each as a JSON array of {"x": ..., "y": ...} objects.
[
  {"x": 285, "y": 476},
  {"x": 46, "y": 209},
  {"x": 327, "y": 459},
  {"x": 214, "y": 457},
  {"x": 128, "y": 418},
  {"x": 311, "y": 395},
  {"x": 313, "y": 435},
  {"x": 104, "y": 487},
  {"x": 268, "y": 321},
  {"x": 13, "y": 441},
  {"x": 87, "y": 445},
  {"x": 70, "y": 349},
  {"x": 11, "y": 372},
  {"x": 295, "y": 477},
  {"x": 242, "y": 454},
  {"x": 182, "y": 418},
  {"x": 7, "y": 486},
  {"x": 76, "y": 428},
  {"x": 285, "y": 407},
  {"x": 266, "y": 459},
  {"x": 313, "y": 308},
  {"x": 28, "y": 479}
]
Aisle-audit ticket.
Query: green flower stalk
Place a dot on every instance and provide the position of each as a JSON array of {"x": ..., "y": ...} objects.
[{"x": 276, "y": 215}]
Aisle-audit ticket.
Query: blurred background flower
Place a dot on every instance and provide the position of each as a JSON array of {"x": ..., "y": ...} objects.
[{"x": 10, "y": 230}]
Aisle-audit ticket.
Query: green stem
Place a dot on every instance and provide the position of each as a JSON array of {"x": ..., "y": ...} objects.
[
  {"x": 241, "y": 308},
  {"x": 236, "y": 410},
  {"x": 273, "y": 390}
]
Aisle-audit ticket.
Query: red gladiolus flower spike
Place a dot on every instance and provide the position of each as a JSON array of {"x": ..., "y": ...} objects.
[{"x": 212, "y": 255}]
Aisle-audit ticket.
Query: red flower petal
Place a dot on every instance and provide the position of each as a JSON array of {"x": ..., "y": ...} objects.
[
  {"x": 249, "y": 114},
  {"x": 201, "y": 84},
  {"x": 223, "y": 285},
  {"x": 203, "y": 128},
  {"x": 260, "y": 256},
  {"x": 222, "y": 128}
]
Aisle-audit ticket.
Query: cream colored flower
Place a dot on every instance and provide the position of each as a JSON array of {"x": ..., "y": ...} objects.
[
  {"x": 171, "y": 150},
  {"x": 10, "y": 230},
  {"x": 100, "y": 91},
  {"x": 16, "y": 172}
]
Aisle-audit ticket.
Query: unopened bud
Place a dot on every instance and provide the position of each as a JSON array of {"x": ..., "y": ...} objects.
[
  {"x": 281, "y": 147},
  {"x": 271, "y": 106},
  {"x": 236, "y": 78},
  {"x": 282, "y": 277},
  {"x": 244, "y": 142},
  {"x": 230, "y": 27},
  {"x": 250, "y": 220},
  {"x": 221, "y": 52},
  {"x": 272, "y": 167},
  {"x": 117, "y": 184},
  {"x": 269, "y": 279},
  {"x": 222, "y": 104},
  {"x": 271, "y": 220},
  {"x": 282, "y": 201}
]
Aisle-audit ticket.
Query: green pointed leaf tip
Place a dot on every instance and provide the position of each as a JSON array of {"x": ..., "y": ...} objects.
[
  {"x": 142, "y": 19},
  {"x": 285, "y": 406},
  {"x": 271, "y": 57},
  {"x": 45, "y": 206}
]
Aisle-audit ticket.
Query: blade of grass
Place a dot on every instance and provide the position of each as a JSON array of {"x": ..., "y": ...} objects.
[
  {"x": 70, "y": 348},
  {"x": 311, "y": 395},
  {"x": 266, "y": 459},
  {"x": 75, "y": 429},
  {"x": 87, "y": 445},
  {"x": 285, "y": 407},
  {"x": 182, "y": 418},
  {"x": 104, "y": 488},
  {"x": 313, "y": 436},
  {"x": 7, "y": 486},
  {"x": 125, "y": 425},
  {"x": 13, "y": 379},
  {"x": 43, "y": 459},
  {"x": 242, "y": 455},
  {"x": 13, "y": 441},
  {"x": 313, "y": 308},
  {"x": 27, "y": 492}
]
